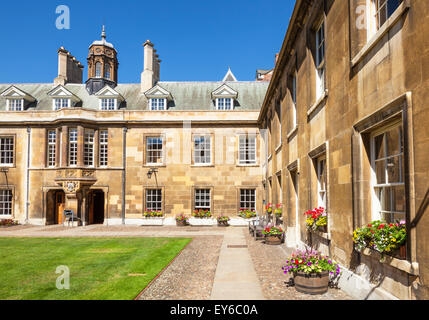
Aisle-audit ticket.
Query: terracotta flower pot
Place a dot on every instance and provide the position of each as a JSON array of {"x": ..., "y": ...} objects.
[
  {"x": 223, "y": 224},
  {"x": 315, "y": 283},
  {"x": 181, "y": 223},
  {"x": 273, "y": 240}
]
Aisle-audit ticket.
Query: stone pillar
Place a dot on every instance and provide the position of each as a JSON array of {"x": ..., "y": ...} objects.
[
  {"x": 64, "y": 146},
  {"x": 80, "y": 145}
]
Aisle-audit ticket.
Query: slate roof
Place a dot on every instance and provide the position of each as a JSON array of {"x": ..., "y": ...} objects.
[{"x": 186, "y": 95}]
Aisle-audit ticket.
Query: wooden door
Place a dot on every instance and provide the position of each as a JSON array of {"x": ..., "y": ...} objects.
[{"x": 59, "y": 205}]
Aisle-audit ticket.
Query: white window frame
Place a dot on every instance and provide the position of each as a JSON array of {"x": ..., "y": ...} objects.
[
  {"x": 320, "y": 62},
  {"x": 15, "y": 104},
  {"x": 61, "y": 103},
  {"x": 222, "y": 103},
  {"x": 89, "y": 148},
  {"x": 52, "y": 148},
  {"x": 158, "y": 104},
  {"x": 108, "y": 104},
  {"x": 103, "y": 146},
  {"x": 159, "y": 152},
  {"x": 6, "y": 203},
  {"x": 322, "y": 193},
  {"x": 294, "y": 95},
  {"x": 248, "y": 199},
  {"x": 377, "y": 212},
  {"x": 151, "y": 199},
  {"x": 202, "y": 197},
  {"x": 204, "y": 146},
  {"x": 247, "y": 150},
  {"x": 73, "y": 148},
  {"x": 372, "y": 17},
  {"x": 7, "y": 153}
]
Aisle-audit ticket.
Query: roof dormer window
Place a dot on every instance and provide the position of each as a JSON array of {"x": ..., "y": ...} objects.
[
  {"x": 61, "y": 103},
  {"x": 157, "y": 104},
  {"x": 108, "y": 104},
  {"x": 109, "y": 98},
  {"x": 15, "y": 104},
  {"x": 224, "y": 104}
]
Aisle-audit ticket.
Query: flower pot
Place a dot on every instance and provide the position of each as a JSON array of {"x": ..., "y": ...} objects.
[
  {"x": 273, "y": 240},
  {"x": 314, "y": 283},
  {"x": 222, "y": 224},
  {"x": 401, "y": 252},
  {"x": 182, "y": 223},
  {"x": 323, "y": 229}
]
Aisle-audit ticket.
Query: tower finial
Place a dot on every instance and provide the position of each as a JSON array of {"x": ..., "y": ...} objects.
[{"x": 103, "y": 34}]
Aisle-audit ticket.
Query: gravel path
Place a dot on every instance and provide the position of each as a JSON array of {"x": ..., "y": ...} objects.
[
  {"x": 191, "y": 275},
  {"x": 268, "y": 261}
]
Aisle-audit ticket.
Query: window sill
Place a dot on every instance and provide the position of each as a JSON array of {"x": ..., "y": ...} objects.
[
  {"x": 278, "y": 148},
  {"x": 292, "y": 132},
  {"x": 247, "y": 165},
  {"x": 154, "y": 165},
  {"x": 318, "y": 103},
  {"x": 209, "y": 165},
  {"x": 270, "y": 157},
  {"x": 403, "y": 7},
  {"x": 403, "y": 265}
]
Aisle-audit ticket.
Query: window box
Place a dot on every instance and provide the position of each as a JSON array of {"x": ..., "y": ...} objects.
[
  {"x": 202, "y": 221},
  {"x": 153, "y": 221}
]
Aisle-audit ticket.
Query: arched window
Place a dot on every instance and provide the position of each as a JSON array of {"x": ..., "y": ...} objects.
[
  {"x": 107, "y": 71},
  {"x": 98, "y": 70}
]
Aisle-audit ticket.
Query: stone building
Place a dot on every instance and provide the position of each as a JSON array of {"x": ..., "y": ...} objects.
[
  {"x": 110, "y": 151},
  {"x": 347, "y": 116}
]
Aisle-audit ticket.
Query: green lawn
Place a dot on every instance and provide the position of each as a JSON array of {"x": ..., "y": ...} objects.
[{"x": 100, "y": 268}]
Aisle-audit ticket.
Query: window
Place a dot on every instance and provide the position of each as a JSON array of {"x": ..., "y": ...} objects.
[
  {"x": 89, "y": 148},
  {"x": 247, "y": 149},
  {"x": 108, "y": 104},
  {"x": 388, "y": 174},
  {"x": 6, "y": 198},
  {"x": 202, "y": 199},
  {"x": 154, "y": 146},
  {"x": 107, "y": 71},
  {"x": 103, "y": 145},
  {"x": 293, "y": 94},
  {"x": 52, "y": 148},
  {"x": 384, "y": 9},
  {"x": 6, "y": 151},
  {"x": 320, "y": 61},
  {"x": 248, "y": 199},
  {"x": 15, "y": 104},
  {"x": 157, "y": 104},
  {"x": 73, "y": 147},
  {"x": 98, "y": 70},
  {"x": 60, "y": 103},
  {"x": 224, "y": 103},
  {"x": 202, "y": 149},
  {"x": 321, "y": 181},
  {"x": 154, "y": 199}
]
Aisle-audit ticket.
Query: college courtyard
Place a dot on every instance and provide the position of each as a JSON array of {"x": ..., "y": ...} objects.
[{"x": 325, "y": 150}]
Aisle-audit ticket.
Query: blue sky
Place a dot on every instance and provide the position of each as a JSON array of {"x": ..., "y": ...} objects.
[{"x": 196, "y": 39}]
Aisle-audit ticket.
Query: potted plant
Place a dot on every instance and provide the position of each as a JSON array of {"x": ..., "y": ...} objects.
[
  {"x": 273, "y": 235},
  {"x": 269, "y": 208},
  {"x": 247, "y": 213},
  {"x": 202, "y": 214},
  {"x": 223, "y": 221},
  {"x": 153, "y": 217},
  {"x": 311, "y": 271},
  {"x": 385, "y": 238},
  {"x": 182, "y": 220},
  {"x": 317, "y": 220},
  {"x": 278, "y": 211},
  {"x": 5, "y": 223}
]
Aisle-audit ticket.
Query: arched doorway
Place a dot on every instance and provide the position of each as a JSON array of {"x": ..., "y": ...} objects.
[{"x": 96, "y": 206}]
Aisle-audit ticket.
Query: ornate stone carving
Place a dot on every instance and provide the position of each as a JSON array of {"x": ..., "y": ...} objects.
[{"x": 71, "y": 186}]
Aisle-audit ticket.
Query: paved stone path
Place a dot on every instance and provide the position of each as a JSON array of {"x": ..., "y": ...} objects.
[{"x": 235, "y": 277}]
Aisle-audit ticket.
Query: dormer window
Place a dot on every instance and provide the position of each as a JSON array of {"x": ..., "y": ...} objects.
[
  {"x": 109, "y": 98},
  {"x": 224, "y": 104},
  {"x": 61, "y": 103},
  {"x": 108, "y": 104},
  {"x": 157, "y": 104},
  {"x": 15, "y": 104}
]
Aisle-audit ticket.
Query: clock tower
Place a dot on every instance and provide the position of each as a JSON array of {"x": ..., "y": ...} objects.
[{"x": 102, "y": 65}]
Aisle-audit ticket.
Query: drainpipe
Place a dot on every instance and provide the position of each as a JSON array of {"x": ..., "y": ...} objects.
[
  {"x": 27, "y": 201},
  {"x": 124, "y": 165}
]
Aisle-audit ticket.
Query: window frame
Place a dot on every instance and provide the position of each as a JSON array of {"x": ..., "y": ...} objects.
[
  {"x": 106, "y": 103},
  {"x": 103, "y": 147},
  {"x": 72, "y": 148},
  {"x": 320, "y": 63},
  {"x": 161, "y": 191},
  {"x": 147, "y": 150},
  {"x": 12, "y": 198},
  {"x": 210, "y": 199},
  {"x": 157, "y": 106},
  {"x": 222, "y": 106},
  {"x": 247, "y": 149},
  {"x": 196, "y": 149},
  {"x": 294, "y": 100},
  {"x": 321, "y": 161},
  {"x": 12, "y": 157},
  {"x": 377, "y": 213},
  {"x": 246, "y": 199},
  {"x": 13, "y": 107},
  {"x": 98, "y": 70},
  {"x": 51, "y": 154},
  {"x": 61, "y": 103},
  {"x": 89, "y": 148}
]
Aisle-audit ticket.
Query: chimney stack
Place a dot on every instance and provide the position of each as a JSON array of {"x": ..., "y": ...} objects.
[
  {"x": 150, "y": 74},
  {"x": 70, "y": 70}
]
